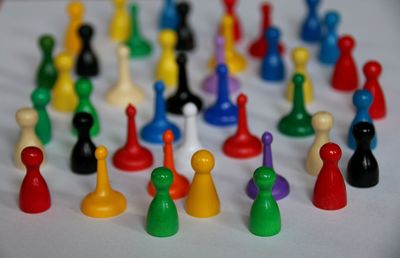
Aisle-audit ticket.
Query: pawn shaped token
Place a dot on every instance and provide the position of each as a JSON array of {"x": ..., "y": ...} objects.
[
  {"x": 103, "y": 202},
  {"x": 311, "y": 27},
  {"x": 272, "y": 66},
  {"x": 372, "y": 71},
  {"x": 34, "y": 195},
  {"x": 153, "y": 131},
  {"x": 298, "y": 122},
  {"x": 230, "y": 10},
  {"x": 162, "y": 216},
  {"x": 83, "y": 88},
  {"x": 167, "y": 68},
  {"x": 75, "y": 11},
  {"x": 223, "y": 112},
  {"x": 83, "y": 159},
  {"x": 120, "y": 25},
  {"x": 330, "y": 189},
  {"x": 168, "y": 19},
  {"x": 27, "y": 119},
  {"x": 138, "y": 45},
  {"x": 265, "y": 217},
  {"x": 183, "y": 94},
  {"x": 329, "y": 51},
  {"x": 46, "y": 74},
  {"x": 322, "y": 122},
  {"x": 345, "y": 75},
  {"x": 202, "y": 200},
  {"x": 300, "y": 56},
  {"x": 87, "y": 63},
  {"x": 362, "y": 100},
  {"x": 132, "y": 156},
  {"x": 40, "y": 99},
  {"x": 242, "y": 144},
  {"x": 186, "y": 39},
  {"x": 180, "y": 186}
]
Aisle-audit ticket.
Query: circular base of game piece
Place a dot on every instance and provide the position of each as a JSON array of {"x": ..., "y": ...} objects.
[
  {"x": 280, "y": 189},
  {"x": 176, "y": 102},
  {"x": 132, "y": 161},
  {"x": 242, "y": 148},
  {"x": 139, "y": 48},
  {"x": 296, "y": 128},
  {"x": 210, "y": 84},
  {"x": 179, "y": 188},
  {"x": 103, "y": 206},
  {"x": 153, "y": 132},
  {"x": 215, "y": 115}
]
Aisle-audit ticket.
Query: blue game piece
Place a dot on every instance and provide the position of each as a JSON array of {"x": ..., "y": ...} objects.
[
  {"x": 154, "y": 130},
  {"x": 362, "y": 100},
  {"x": 329, "y": 50},
  {"x": 223, "y": 112},
  {"x": 272, "y": 66},
  {"x": 311, "y": 28},
  {"x": 169, "y": 16}
]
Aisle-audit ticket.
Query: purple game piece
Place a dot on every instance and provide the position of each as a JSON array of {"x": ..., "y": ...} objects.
[
  {"x": 281, "y": 186},
  {"x": 210, "y": 84}
]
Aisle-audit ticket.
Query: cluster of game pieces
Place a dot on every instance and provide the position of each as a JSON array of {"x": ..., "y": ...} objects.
[{"x": 55, "y": 84}]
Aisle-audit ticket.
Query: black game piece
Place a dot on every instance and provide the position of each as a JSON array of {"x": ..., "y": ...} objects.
[
  {"x": 363, "y": 169},
  {"x": 83, "y": 160},
  {"x": 186, "y": 39},
  {"x": 87, "y": 63},
  {"x": 183, "y": 94}
]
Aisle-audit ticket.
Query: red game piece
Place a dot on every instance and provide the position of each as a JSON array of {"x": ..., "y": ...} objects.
[
  {"x": 329, "y": 189},
  {"x": 132, "y": 156},
  {"x": 242, "y": 144},
  {"x": 372, "y": 71},
  {"x": 230, "y": 10},
  {"x": 34, "y": 195},
  {"x": 345, "y": 75}
]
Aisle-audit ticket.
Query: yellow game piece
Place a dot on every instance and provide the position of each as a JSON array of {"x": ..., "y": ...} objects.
[
  {"x": 120, "y": 26},
  {"x": 300, "y": 56},
  {"x": 167, "y": 68},
  {"x": 322, "y": 122},
  {"x": 72, "y": 43},
  {"x": 64, "y": 98},
  {"x": 103, "y": 202},
  {"x": 202, "y": 200}
]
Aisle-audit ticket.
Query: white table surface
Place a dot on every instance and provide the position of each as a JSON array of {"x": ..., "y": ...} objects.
[{"x": 367, "y": 227}]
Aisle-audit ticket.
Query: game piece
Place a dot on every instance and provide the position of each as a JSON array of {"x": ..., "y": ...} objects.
[
  {"x": 153, "y": 131},
  {"x": 138, "y": 45},
  {"x": 75, "y": 11},
  {"x": 132, "y": 156},
  {"x": 83, "y": 160},
  {"x": 120, "y": 25},
  {"x": 87, "y": 63},
  {"x": 345, "y": 75},
  {"x": 124, "y": 91},
  {"x": 162, "y": 216},
  {"x": 311, "y": 27},
  {"x": 242, "y": 144},
  {"x": 265, "y": 217},
  {"x": 168, "y": 16},
  {"x": 46, "y": 74},
  {"x": 34, "y": 195},
  {"x": 372, "y": 71},
  {"x": 281, "y": 187},
  {"x": 27, "y": 119},
  {"x": 202, "y": 200},
  {"x": 64, "y": 98},
  {"x": 230, "y": 10},
  {"x": 210, "y": 84},
  {"x": 298, "y": 122},
  {"x": 183, "y": 93},
  {"x": 300, "y": 57},
  {"x": 322, "y": 123},
  {"x": 186, "y": 39},
  {"x": 180, "y": 186},
  {"x": 329, "y": 51},
  {"x": 223, "y": 112},
  {"x": 167, "y": 68},
  {"x": 363, "y": 169},
  {"x": 40, "y": 99},
  {"x": 272, "y": 65},
  {"x": 362, "y": 100},
  {"x": 330, "y": 189}
]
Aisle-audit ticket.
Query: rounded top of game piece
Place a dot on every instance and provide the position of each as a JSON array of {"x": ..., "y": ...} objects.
[
  {"x": 159, "y": 86},
  {"x": 298, "y": 79},
  {"x": 372, "y": 69},
  {"x": 26, "y": 117},
  {"x": 46, "y": 42},
  {"x": 300, "y": 56},
  {"x": 101, "y": 152},
  {"x": 64, "y": 61},
  {"x": 241, "y": 99},
  {"x": 362, "y": 98},
  {"x": 264, "y": 177},
  {"x": 181, "y": 59},
  {"x": 272, "y": 34},
  {"x": 266, "y": 8},
  {"x": 134, "y": 8},
  {"x": 322, "y": 121},
  {"x": 330, "y": 152},
  {"x": 75, "y": 9},
  {"x": 167, "y": 38},
  {"x": 40, "y": 97},
  {"x": 83, "y": 87},
  {"x": 168, "y": 137},
  {"x": 32, "y": 156},
  {"x": 130, "y": 110},
  {"x": 122, "y": 50},
  {"x": 222, "y": 70},
  {"x": 82, "y": 121},
  {"x": 346, "y": 43},
  {"x": 267, "y": 138},
  {"x": 189, "y": 109},
  {"x": 183, "y": 8},
  {"x": 86, "y": 31},
  {"x": 312, "y": 3},
  {"x": 162, "y": 178},
  {"x": 203, "y": 162},
  {"x": 363, "y": 131},
  {"x": 119, "y": 2},
  {"x": 229, "y": 4},
  {"x": 331, "y": 19}
]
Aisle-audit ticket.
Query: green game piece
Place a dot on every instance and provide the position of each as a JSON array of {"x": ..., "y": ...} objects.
[
  {"x": 41, "y": 98},
  {"x": 298, "y": 122},
  {"x": 47, "y": 74},
  {"x": 265, "y": 218},
  {"x": 139, "y": 46},
  {"x": 162, "y": 216},
  {"x": 83, "y": 88}
]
